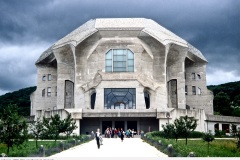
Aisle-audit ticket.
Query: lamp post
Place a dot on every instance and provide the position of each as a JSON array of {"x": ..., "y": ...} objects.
[{"x": 168, "y": 116}]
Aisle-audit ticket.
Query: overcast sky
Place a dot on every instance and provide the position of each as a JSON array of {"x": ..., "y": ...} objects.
[{"x": 28, "y": 27}]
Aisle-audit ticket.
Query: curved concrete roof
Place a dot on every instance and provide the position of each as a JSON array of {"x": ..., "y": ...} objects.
[{"x": 147, "y": 26}]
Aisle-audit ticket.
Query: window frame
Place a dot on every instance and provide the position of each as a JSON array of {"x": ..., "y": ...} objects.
[
  {"x": 43, "y": 93},
  {"x": 49, "y": 77},
  {"x": 124, "y": 55},
  {"x": 112, "y": 98},
  {"x": 194, "y": 90},
  {"x": 49, "y": 90},
  {"x": 44, "y": 77}
]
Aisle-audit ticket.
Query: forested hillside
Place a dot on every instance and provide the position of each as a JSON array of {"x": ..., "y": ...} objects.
[
  {"x": 226, "y": 98},
  {"x": 21, "y": 98}
]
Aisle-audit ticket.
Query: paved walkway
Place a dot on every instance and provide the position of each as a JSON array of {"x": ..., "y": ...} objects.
[{"x": 113, "y": 147}]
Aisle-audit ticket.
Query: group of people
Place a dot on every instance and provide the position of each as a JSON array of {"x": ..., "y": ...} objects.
[{"x": 112, "y": 133}]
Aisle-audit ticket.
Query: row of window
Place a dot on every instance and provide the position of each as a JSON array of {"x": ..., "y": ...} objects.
[
  {"x": 48, "y": 77},
  {"x": 196, "y": 76},
  {"x": 49, "y": 92},
  {"x": 194, "y": 92}
]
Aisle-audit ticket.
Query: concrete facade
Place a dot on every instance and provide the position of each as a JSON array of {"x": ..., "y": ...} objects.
[{"x": 168, "y": 77}]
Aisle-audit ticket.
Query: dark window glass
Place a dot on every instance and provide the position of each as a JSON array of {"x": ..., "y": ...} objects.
[
  {"x": 93, "y": 99},
  {"x": 147, "y": 100},
  {"x": 120, "y": 98}
]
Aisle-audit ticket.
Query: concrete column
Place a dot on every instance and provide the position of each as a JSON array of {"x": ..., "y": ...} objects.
[
  {"x": 220, "y": 126},
  {"x": 77, "y": 130}
]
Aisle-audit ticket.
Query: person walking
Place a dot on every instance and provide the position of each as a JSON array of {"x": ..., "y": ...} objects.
[
  {"x": 97, "y": 136},
  {"x": 122, "y": 134}
]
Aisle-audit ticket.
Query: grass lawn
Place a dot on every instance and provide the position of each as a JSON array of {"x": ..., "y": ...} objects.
[
  {"x": 28, "y": 148},
  {"x": 217, "y": 148}
]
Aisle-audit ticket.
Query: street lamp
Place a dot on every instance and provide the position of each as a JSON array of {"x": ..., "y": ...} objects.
[{"x": 168, "y": 116}]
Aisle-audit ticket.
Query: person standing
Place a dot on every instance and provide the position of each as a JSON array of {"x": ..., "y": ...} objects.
[{"x": 97, "y": 136}]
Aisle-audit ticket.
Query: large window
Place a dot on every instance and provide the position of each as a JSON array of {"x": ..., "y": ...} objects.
[
  {"x": 120, "y": 98},
  {"x": 119, "y": 60}
]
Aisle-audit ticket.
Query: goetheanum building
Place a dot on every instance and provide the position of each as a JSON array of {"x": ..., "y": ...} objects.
[{"x": 123, "y": 73}]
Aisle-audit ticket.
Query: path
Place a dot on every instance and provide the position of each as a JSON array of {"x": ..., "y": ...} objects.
[{"x": 113, "y": 147}]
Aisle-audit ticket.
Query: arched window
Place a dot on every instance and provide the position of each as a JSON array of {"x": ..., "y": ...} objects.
[
  {"x": 119, "y": 60},
  {"x": 93, "y": 99},
  {"x": 147, "y": 99}
]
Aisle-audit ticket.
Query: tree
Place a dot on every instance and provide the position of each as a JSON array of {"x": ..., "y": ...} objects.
[
  {"x": 69, "y": 125},
  {"x": 185, "y": 125},
  {"x": 13, "y": 128},
  {"x": 54, "y": 126},
  {"x": 37, "y": 129},
  {"x": 168, "y": 130},
  {"x": 221, "y": 104},
  {"x": 208, "y": 137}
]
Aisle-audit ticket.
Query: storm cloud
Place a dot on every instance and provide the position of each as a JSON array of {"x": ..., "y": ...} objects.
[{"x": 28, "y": 27}]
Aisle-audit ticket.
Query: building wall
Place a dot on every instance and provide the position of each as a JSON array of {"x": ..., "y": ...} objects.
[{"x": 47, "y": 102}]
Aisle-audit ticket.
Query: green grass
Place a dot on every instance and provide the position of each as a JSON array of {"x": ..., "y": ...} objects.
[
  {"x": 218, "y": 148},
  {"x": 29, "y": 149}
]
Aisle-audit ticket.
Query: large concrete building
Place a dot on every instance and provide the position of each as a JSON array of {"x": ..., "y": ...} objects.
[{"x": 124, "y": 73}]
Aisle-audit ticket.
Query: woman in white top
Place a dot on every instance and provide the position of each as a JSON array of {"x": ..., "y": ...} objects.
[{"x": 97, "y": 135}]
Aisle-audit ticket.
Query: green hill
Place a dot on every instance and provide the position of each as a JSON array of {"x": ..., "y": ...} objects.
[
  {"x": 21, "y": 98},
  {"x": 226, "y": 98},
  {"x": 232, "y": 89}
]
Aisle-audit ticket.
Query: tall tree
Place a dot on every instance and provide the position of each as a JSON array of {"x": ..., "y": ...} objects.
[{"x": 13, "y": 128}]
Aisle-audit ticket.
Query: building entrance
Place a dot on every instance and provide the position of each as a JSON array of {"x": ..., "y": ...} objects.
[
  {"x": 105, "y": 125},
  {"x": 119, "y": 124},
  {"x": 132, "y": 125}
]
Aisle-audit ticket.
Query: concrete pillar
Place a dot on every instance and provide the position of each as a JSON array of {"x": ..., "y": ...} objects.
[{"x": 220, "y": 126}]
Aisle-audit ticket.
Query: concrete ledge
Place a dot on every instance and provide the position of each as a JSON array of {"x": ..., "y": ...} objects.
[
  {"x": 217, "y": 118},
  {"x": 119, "y": 113}
]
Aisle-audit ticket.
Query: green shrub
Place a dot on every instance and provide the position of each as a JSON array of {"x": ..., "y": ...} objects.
[
  {"x": 157, "y": 134},
  {"x": 220, "y": 133},
  {"x": 196, "y": 134}
]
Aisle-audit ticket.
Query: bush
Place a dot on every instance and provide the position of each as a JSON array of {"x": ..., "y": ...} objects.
[
  {"x": 196, "y": 134},
  {"x": 157, "y": 134},
  {"x": 220, "y": 133}
]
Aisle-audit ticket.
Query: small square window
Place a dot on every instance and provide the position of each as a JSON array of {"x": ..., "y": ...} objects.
[
  {"x": 194, "y": 90},
  {"x": 49, "y": 77},
  {"x": 198, "y": 76},
  {"x": 186, "y": 90},
  {"x": 199, "y": 91},
  {"x": 44, "y": 78},
  {"x": 49, "y": 91},
  {"x": 56, "y": 91},
  {"x": 43, "y": 93},
  {"x": 193, "y": 76}
]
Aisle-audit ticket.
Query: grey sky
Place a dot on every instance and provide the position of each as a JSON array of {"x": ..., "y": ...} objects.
[{"x": 28, "y": 27}]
